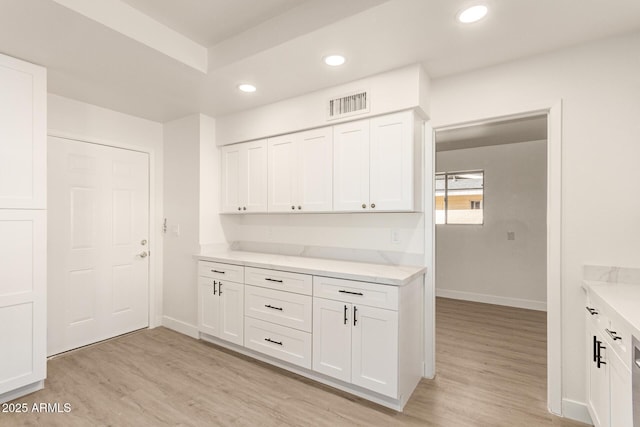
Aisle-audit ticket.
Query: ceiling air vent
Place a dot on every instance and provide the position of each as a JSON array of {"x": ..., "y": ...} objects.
[{"x": 348, "y": 105}]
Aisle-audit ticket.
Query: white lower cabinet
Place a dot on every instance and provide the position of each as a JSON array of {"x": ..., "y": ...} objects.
[
  {"x": 278, "y": 341},
  {"x": 609, "y": 394},
  {"x": 367, "y": 336},
  {"x": 356, "y": 344},
  {"x": 221, "y": 309}
]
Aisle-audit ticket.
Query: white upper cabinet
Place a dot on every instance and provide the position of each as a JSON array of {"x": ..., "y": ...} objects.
[
  {"x": 351, "y": 166},
  {"x": 315, "y": 173},
  {"x": 300, "y": 172},
  {"x": 374, "y": 164},
  {"x": 391, "y": 162},
  {"x": 244, "y": 170},
  {"x": 23, "y": 132}
]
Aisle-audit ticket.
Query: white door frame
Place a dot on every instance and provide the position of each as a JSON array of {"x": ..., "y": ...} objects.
[
  {"x": 155, "y": 236},
  {"x": 553, "y": 111}
]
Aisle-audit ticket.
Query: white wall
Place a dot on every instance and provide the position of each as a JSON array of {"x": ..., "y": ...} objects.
[
  {"x": 181, "y": 209},
  {"x": 82, "y": 121},
  {"x": 599, "y": 87},
  {"x": 396, "y": 90},
  {"x": 191, "y": 201},
  {"x": 363, "y": 237},
  {"x": 477, "y": 262}
]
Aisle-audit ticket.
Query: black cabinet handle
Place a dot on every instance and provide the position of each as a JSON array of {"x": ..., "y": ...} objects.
[
  {"x": 342, "y": 291},
  {"x": 269, "y": 279},
  {"x": 355, "y": 320},
  {"x": 218, "y": 271},
  {"x": 275, "y": 308},
  {"x": 595, "y": 348},
  {"x": 220, "y": 288},
  {"x": 272, "y": 341},
  {"x": 592, "y": 311},
  {"x": 599, "y": 361},
  {"x": 613, "y": 334},
  {"x": 345, "y": 314},
  {"x": 214, "y": 287}
]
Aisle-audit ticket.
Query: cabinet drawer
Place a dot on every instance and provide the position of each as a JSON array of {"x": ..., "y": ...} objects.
[
  {"x": 365, "y": 293},
  {"x": 283, "y": 308},
  {"x": 279, "y": 280},
  {"x": 277, "y": 341},
  {"x": 619, "y": 336},
  {"x": 218, "y": 270}
]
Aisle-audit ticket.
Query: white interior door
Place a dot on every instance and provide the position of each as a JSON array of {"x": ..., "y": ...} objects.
[{"x": 98, "y": 243}]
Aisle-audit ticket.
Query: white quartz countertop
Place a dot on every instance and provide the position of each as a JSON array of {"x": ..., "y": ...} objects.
[
  {"x": 397, "y": 275},
  {"x": 622, "y": 298}
]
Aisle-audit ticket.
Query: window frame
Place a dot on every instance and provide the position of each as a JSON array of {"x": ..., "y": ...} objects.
[{"x": 446, "y": 194}]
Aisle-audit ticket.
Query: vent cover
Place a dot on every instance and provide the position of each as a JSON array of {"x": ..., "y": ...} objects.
[{"x": 348, "y": 105}]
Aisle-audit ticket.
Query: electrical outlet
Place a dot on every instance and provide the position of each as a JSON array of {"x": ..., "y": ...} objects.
[
  {"x": 511, "y": 235},
  {"x": 395, "y": 236},
  {"x": 175, "y": 229}
]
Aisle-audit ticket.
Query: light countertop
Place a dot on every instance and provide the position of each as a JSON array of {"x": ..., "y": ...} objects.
[
  {"x": 622, "y": 298},
  {"x": 397, "y": 275}
]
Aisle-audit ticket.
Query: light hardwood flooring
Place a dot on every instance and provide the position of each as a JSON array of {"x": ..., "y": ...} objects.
[{"x": 490, "y": 372}]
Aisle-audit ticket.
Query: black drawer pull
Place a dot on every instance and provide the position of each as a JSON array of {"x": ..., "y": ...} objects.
[
  {"x": 592, "y": 311},
  {"x": 342, "y": 291},
  {"x": 275, "y": 308},
  {"x": 355, "y": 318},
  {"x": 345, "y": 314},
  {"x": 272, "y": 341},
  {"x": 269, "y": 279},
  {"x": 218, "y": 271},
  {"x": 613, "y": 334}
]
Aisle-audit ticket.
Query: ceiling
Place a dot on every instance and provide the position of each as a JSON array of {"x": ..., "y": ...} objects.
[
  {"x": 278, "y": 45},
  {"x": 494, "y": 133}
]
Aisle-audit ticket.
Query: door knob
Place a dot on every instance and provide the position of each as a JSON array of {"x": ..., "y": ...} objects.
[{"x": 143, "y": 254}]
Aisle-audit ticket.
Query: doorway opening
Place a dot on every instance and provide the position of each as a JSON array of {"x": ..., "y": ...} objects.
[{"x": 491, "y": 253}]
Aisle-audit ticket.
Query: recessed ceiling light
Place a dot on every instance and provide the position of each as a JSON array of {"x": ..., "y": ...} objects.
[
  {"x": 473, "y": 14},
  {"x": 245, "y": 87},
  {"x": 334, "y": 60}
]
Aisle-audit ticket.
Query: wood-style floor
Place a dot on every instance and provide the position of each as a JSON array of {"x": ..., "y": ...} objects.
[{"x": 490, "y": 372}]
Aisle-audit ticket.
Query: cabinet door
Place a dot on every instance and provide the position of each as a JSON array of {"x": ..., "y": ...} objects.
[
  {"x": 332, "y": 338},
  {"x": 208, "y": 306},
  {"x": 391, "y": 186},
  {"x": 374, "y": 362},
  {"x": 253, "y": 182},
  {"x": 351, "y": 166},
  {"x": 23, "y": 149},
  {"x": 315, "y": 171},
  {"x": 282, "y": 171},
  {"x": 231, "y": 156},
  {"x": 231, "y": 312},
  {"x": 22, "y": 298},
  {"x": 598, "y": 386},
  {"x": 621, "y": 393}
]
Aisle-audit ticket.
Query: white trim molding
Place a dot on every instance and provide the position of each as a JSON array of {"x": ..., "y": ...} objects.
[
  {"x": 492, "y": 299},
  {"x": 576, "y": 411},
  {"x": 181, "y": 327},
  {"x": 553, "y": 110}
]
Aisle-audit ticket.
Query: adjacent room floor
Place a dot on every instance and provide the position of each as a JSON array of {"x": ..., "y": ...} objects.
[{"x": 491, "y": 371}]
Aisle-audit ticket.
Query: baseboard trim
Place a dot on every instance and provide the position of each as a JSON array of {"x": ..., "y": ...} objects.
[
  {"x": 180, "y": 326},
  {"x": 575, "y": 410},
  {"x": 22, "y": 391},
  {"x": 492, "y": 299}
]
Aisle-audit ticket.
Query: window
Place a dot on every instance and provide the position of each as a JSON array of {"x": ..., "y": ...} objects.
[{"x": 459, "y": 197}]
